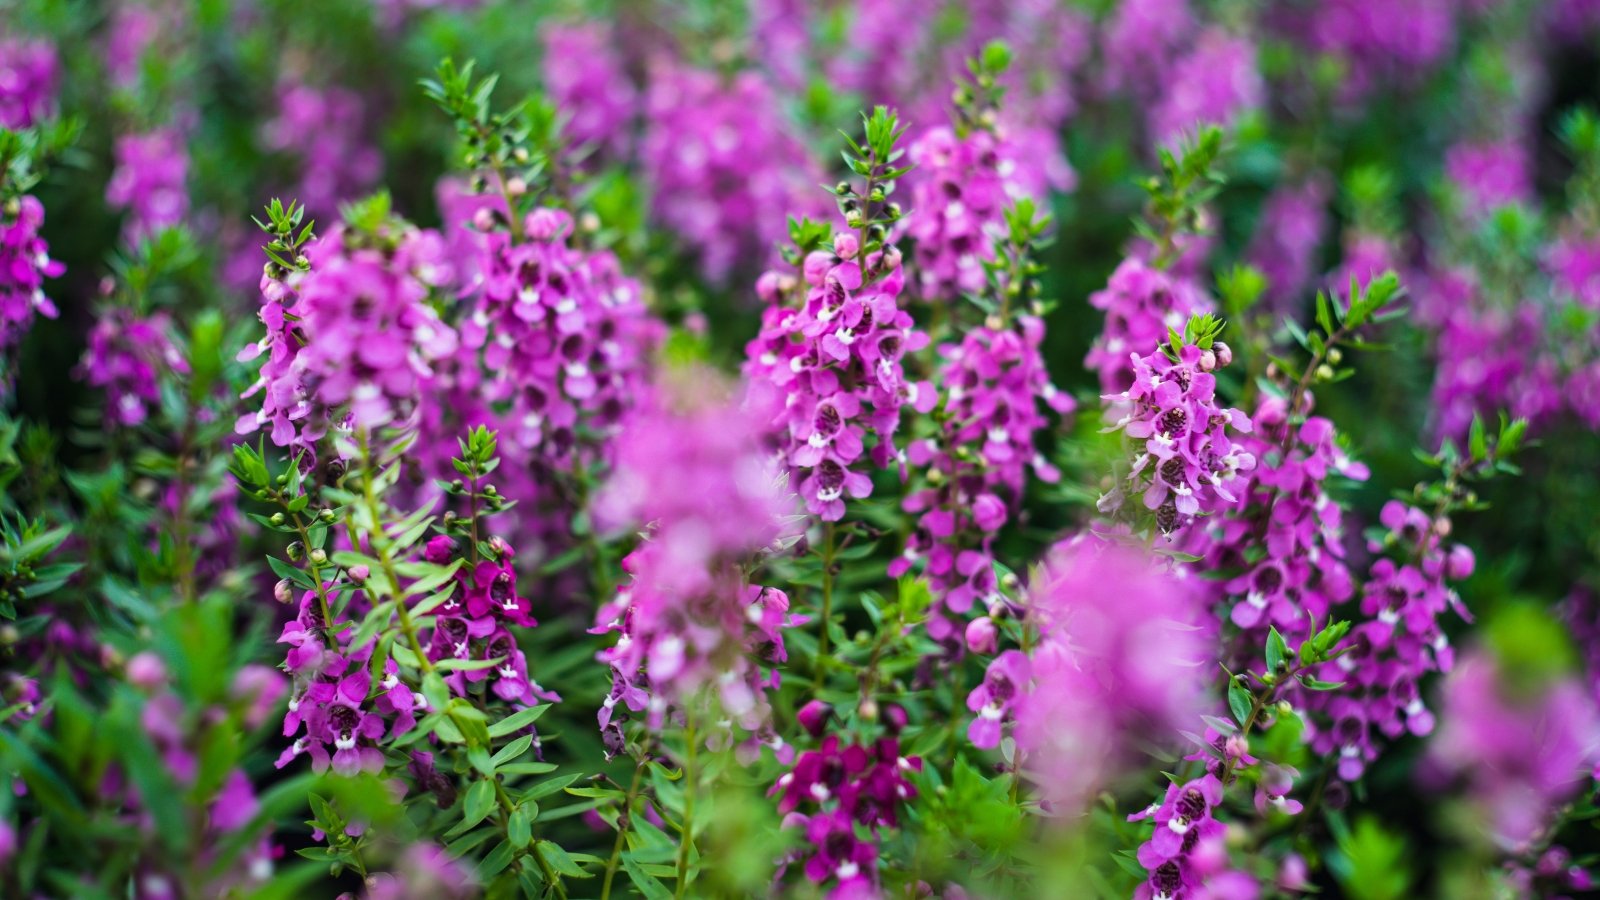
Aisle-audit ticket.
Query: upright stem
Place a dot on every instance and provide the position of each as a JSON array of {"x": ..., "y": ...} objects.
[
  {"x": 690, "y": 775},
  {"x": 622, "y": 829},
  {"x": 827, "y": 592},
  {"x": 380, "y": 548}
]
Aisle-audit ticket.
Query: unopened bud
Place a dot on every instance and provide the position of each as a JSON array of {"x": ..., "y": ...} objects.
[
  {"x": 283, "y": 591},
  {"x": 359, "y": 574},
  {"x": 813, "y": 717},
  {"x": 982, "y": 636},
  {"x": 146, "y": 671},
  {"x": 319, "y": 557},
  {"x": 516, "y": 187}
]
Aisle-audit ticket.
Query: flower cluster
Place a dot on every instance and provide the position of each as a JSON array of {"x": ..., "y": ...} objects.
[
  {"x": 597, "y": 95},
  {"x": 703, "y": 134},
  {"x": 1287, "y": 510},
  {"x": 1184, "y": 855},
  {"x": 832, "y": 372},
  {"x": 28, "y": 73},
  {"x": 692, "y": 468},
  {"x": 959, "y": 194},
  {"x": 1520, "y": 756},
  {"x": 843, "y": 788},
  {"x": 24, "y": 265},
  {"x": 1141, "y": 303},
  {"x": 350, "y": 341},
  {"x": 1115, "y": 659},
  {"x": 126, "y": 355},
  {"x": 1293, "y": 225},
  {"x": 322, "y": 129},
  {"x": 564, "y": 335},
  {"x": 476, "y": 622},
  {"x": 150, "y": 182},
  {"x": 1400, "y": 641},
  {"x": 1188, "y": 462},
  {"x": 1215, "y": 83},
  {"x": 976, "y": 465}
]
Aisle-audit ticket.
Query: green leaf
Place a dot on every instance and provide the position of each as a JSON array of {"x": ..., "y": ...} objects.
[
  {"x": 511, "y": 751},
  {"x": 560, "y": 860},
  {"x": 519, "y": 826},
  {"x": 518, "y": 720},
  {"x": 1239, "y": 701},
  {"x": 1277, "y": 651},
  {"x": 496, "y": 861},
  {"x": 648, "y": 885},
  {"x": 478, "y": 804}
]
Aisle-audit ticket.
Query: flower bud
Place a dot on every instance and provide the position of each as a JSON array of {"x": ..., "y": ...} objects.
[
  {"x": 814, "y": 716},
  {"x": 277, "y": 519},
  {"x": 1208, "y": 360},
  {"x": 847, "y": 245},
  {"x": 1460, "y": 563},
  {"x": 516, "y": 187},
  {"x": 483, "y": 219},
  {"x": 868, "y": 709},
  {"x": 982, "y": 636},
  {"x": 360, "y": 574},
  {"x": 319, "y": 557},
  {"x": 283, "y": 592},
  {"x": 146, "y": 671},
  {"x": 295, "y": 551},
  {"x": 1223, "y": 352},
  {"x": 894, "y": 718}
]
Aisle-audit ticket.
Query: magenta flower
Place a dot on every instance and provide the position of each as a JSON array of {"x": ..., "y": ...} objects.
[
  {"x": 1520, "y": 755},
  {"x": 597, "y": 97},
  {"x": 24, "y": 265},
  {"x": 1140, "y": 304},
  {"x": 150, "y": 182},
  {"x": 1189, "y": 462},
  {"x": 125, "y": 356},
  {"x": 1215, "y": 83},
  {"x": 28, "y": 82}
]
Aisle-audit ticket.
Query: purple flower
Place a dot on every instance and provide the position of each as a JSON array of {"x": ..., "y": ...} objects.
[
  {"x": 1293, "y": 225},
  {"x": 1140, "y": 304},
  {"x": 125, "y": 356},
  {"x": 322, "y": 128},
  {"x": 1215, "y": 83},
  {"x": 24, "y": 265},
  {"x": 975, "y": 466},
  {"x": 1521, "y": 751},
  {"x": 703, "y": 132},
  {"x": 28, "y": 76},
  {"x": 831, "y": 371},
  {"x": 150, "y": 182},
  {"x": 691, "y": 467},
  {"x": 1189, "y": 462},
  {"x": 587, "y": 80}
]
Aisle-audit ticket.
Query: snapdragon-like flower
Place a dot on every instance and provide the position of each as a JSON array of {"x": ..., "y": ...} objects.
[
  {"x": 478, "y": 623},
  {"x": 1489, "y": 359},
  {"x": 28, "y": 75},
  {"x": 352, "y": 341},
  {"x": 1140, "y": 304},
  {"x": 1185, "y": 856},
  {"x": 585, "y": 77},
  {"x": 24, "y": 265},
  {"x": 959, "y": 193},
  {"x": 1141, "y": 42},
  {"x": 1189, "y": 462},
  {"x": 1215, "y": 83},
  {"x": 1378, "y": 39},
  {"x": 976, "y": 465},
  {"x": 564, "y": 335},
  {"x": 1521, "y": 756},
  {"x": 150, "y": 182},
  {"x": 1399, "y": 643},
  {"x": 1287, "y": 511},
  {"x": 1117, "y": 660},
  {"x": 692, "y": 468},
  {"x": 126, "y": 355},
  {"x": 705, "y": 138},
  {"x": 836, "y": 790},
  {"x": 832, "y": 372}
]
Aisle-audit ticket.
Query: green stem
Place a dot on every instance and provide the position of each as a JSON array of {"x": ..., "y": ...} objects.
[
  {"x": 380, "y": 548},
  {"x": 827, "y": 594},
  {"x": 622, "y": 829},
  {"x": 687, "y": 836}
]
